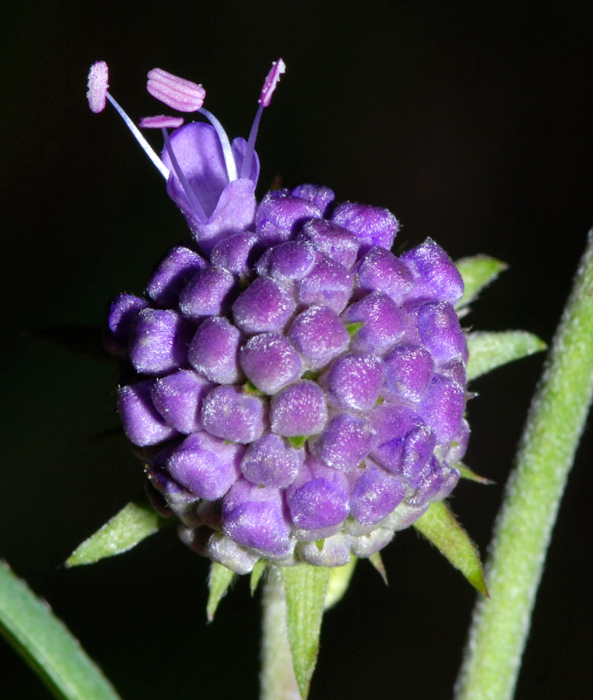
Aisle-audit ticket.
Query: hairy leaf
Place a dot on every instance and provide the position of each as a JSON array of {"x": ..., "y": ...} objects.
[
  {"x": 46, "y": 644},
  {"x": 256, "y": 574},
  {"x": 477, "y": 272},
  {"x": 218, "y": 583},
  {"x": 339, "y": 580},
  {"x": 135, "y": 522},
  {"x": 488, "y": 350},
  {"x": 306, "y": 590},
  {"x": 440, "y": 527}
]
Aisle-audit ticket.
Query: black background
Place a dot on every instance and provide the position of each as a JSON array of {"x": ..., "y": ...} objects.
[{"x": 469, "y": 120}]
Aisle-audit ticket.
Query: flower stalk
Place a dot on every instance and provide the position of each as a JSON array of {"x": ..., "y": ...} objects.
[{"x": 523, "y": 530}]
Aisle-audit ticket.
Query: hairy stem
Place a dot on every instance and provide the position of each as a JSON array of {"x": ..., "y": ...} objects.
[{"x": 522, "y": 533}]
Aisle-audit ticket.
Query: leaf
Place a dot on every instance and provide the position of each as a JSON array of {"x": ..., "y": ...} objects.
[
  {"x": 477, "y": 272},
  {"x": 339, "y": 580},
  {"x": 440, "y": 527},
  {"x": 47, "y": 645},
  {"x": 306, "y": 589},
  {"x": 256, "y": 574},
  {"x": 81, "y": 340},
  {"x": 134, "y": 523},
  {"x": 470, "y": 475},
  {"x": 488, "y": 350},
  {"x": 377, "y": 561},
  {"x": 218, "y": 583}
]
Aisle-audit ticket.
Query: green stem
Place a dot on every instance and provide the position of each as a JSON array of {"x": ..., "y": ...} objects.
[
  {"x": 277, "y": 674},
  {"x": 522, "y": 533}
]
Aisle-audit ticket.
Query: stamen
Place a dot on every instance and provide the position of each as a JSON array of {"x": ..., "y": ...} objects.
[
  {"x": 161, "y": 121},
  {"x": 190, "y": 194},
  {"x": 272, "y": 79},
  {"x": 177, "y": 93},
  {"x": 227, "y": 151},
  {"x": 97, "y": 94},
  {"x": 146, "y": 147},
  {"x": 98, "y": 82}
]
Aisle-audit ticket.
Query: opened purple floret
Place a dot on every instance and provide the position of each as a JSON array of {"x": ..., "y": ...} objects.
[{"x": 296, "y": 389}]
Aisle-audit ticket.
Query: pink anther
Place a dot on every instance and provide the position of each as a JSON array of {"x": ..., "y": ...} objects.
[
  {"x": 278, "y": 67},
  {"x": 161, "y": 121},
  {"x": 97, "y": 84},
  {"x": 177, "y": 93}
]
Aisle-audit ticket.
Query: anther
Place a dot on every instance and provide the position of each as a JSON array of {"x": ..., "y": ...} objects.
[
  {"x": 278, "y": 68},
  {"x": 97, "y": 84},
  {"x": 177, "y": 93},
  {"x": 265, "y": 97},
  {"x": 161, "y": 121}
]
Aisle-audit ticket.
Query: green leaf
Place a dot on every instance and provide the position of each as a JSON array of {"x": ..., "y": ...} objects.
[
  {"x": 46, "y": 645},
  {"x": 339, "y": 580},
  {"x": 256, "y": 574},
  {"x": 134, "y": 523},
  {"x": 488, "y": 350},
  {"x": 306, "y": 589},
  {"x": 377, "y": 561},
  {"x": 470, "y": 475},
  {"x": 218, "y": 583},
  {"x": 439, "y": 526},
  {"x": 477, "y": 272}
]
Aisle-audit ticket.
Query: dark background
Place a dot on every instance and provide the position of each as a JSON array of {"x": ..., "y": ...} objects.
[{"x": 469, "y": 120}]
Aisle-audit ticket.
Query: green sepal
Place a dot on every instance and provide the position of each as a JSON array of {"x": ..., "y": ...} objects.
[
  {"x": 377, "y": 561},
  {"x": 218, "y": 582},
  {"x": 256, "y": 574},
  {"x": 339, "y": 580},
  {"x": 353, "y": 328},
  {"x": 305, "y": 587},
  {"x": 81, "y": 340},
  {"x": 47, "y": 645},
  {"x": 135, "y": 522},
  {"x": 470, "y": 475},
  {"x": 477, "y": 272},
  {"x": 440, "y": 527},
  {"x": 298, "y": 440},
  {"x": 488, "y": 350},
  {"x": 250, "y": 388}
]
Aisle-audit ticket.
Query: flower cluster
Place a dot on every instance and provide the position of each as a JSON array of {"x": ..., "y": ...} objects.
[{"x": 296, "y": 388}]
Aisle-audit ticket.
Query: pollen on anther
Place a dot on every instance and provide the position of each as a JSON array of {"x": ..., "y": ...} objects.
[
  {"x": 177, "y": 93},
  {"x": 278, "y": 68},
  {"x": 98, "y": 82},
  {"x": 161, "y": 121}
]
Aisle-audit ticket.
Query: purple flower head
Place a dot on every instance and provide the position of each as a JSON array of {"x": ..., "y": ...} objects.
[{"x": 296, "y": 389}]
